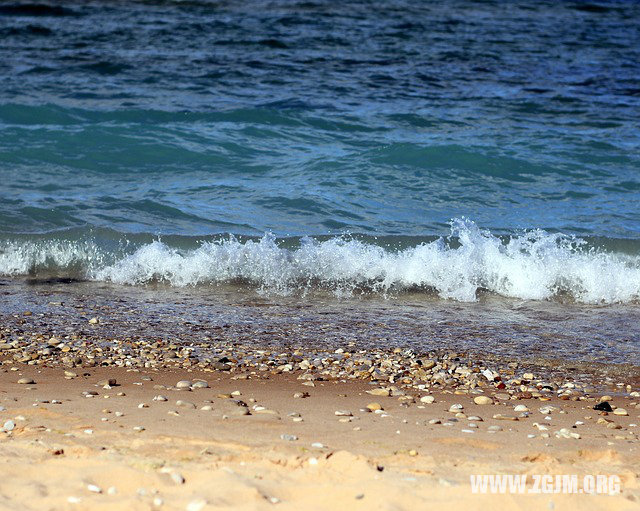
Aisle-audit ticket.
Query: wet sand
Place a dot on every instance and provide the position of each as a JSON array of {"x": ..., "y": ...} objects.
[{"x": 252, "y": 441}]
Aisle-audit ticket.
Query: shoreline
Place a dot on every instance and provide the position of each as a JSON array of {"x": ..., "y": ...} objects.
[
  {"x": 146, "y": 441},
  {"x": 138, "y": 403}
]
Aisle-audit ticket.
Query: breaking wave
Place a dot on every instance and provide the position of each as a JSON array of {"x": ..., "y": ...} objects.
[{"x": 534, "y": 265}]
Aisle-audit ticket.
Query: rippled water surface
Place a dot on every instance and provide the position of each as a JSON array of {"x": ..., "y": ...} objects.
[{"x": 313, "y": 118}]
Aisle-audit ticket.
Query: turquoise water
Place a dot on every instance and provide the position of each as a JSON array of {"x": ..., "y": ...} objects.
[{"x": 450, "y": 148}]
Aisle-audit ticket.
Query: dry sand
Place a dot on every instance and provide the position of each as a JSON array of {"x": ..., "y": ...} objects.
[{"x": 80, "y": 454}]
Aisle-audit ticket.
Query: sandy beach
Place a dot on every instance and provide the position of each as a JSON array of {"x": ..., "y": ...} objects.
[{"x": 117, "y": 438}]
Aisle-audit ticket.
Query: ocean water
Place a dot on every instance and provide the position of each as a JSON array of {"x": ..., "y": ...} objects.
[{"x": 442, "y": 151}]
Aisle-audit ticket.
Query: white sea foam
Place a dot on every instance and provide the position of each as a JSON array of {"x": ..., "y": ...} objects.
[
  {"x": 19, "y": 257},
  {"x": 535, "y": 265}
]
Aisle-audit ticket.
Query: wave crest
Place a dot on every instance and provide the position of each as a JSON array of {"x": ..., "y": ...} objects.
[{"x": 535, "y": 265}]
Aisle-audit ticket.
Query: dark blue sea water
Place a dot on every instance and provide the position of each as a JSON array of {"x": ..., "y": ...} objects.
[{"x": 449, "y": 147}]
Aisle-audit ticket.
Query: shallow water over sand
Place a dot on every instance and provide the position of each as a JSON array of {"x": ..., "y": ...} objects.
[{"x": 584, "y": 336}]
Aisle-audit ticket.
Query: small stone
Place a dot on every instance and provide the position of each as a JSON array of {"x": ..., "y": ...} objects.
[
  {"x": 500, "y": 417},
  {"x": 138, "y": 429},
  {"x": 603, "y": 406},
  {"x": 378, "y": 392},
  {"x": 183, "y": 384},
  {"x": 26, "y": 381},
  {"x": 528, "y": 376},
  {"x": 200, "y": 384},
  {"x": 300, "y": 395},
  {"x": 520, "y": 408},
  {"x": 288, "y": 438},
  {"x": 94, "y": 489},
  {"x": 565, "y": 433},
  {"x": 482, "y": 400},
  {"x": 9, "y": 426},
  {"x": 374, "y": 406},
  {"x": 108, "y": 381},
  {"x": 185, "y": 404},
  {"x": 427, "y": 399},
  {"x": 160, "y": 398},
  {"x": 196, "y": 505},
  {"x": 494, "y": 429},
  {"x": 177, "y": 477},
  {"x": 94, "y": 321},
  {"x": 620, "y": 411},
  {"x": 343, "y": 413},
  {"x": 455, "y": 408}
]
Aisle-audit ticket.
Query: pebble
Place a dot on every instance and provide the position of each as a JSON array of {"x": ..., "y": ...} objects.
[
  {"x": 185, "y": 404},
  {"x": 500, "y": 417},
  {"x": 200, "y": 384},
  {"x": 494, "y": 429},
  {"x": 94, "y": 489},
  {"x": 565, "y": 433},
  {"x": 196, "y": 505},
  {"x": 343, "y": 413},
  {"x": 160, "y": 398},
  {"x": 520, "y": 408},
  {"x": 378, "y": 392},
  {"x": 455, "y": 408},
  {"x": 482, "y": 400},
  {"x": 288, "y": 438},
  {"x": 427, "y": 399},
  {"x": 620, "y": 411},
  {"x": 26, "y": 381},
  {"x": 109, "y": 381},
  {"x": 9, "y": 426},
  {"x": 374, "y": 406},
  {"x": 183, "y": 384}
]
